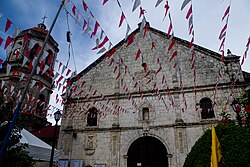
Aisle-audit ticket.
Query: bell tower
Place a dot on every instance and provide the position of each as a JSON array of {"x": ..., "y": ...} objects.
[{"x": 17, "y": 68}]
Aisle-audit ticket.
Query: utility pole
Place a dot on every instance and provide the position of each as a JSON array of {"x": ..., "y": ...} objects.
[{"x": 17, "y": 110}]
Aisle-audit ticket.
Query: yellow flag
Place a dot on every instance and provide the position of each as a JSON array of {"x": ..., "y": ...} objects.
[{"x": 216, "y": 151}]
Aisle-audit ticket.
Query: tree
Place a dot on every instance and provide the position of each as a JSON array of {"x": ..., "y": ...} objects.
[
  {"x": 235, "y": 147},
  {"x": 16, "y": 155},
  {"x": 234, "y": 139}
]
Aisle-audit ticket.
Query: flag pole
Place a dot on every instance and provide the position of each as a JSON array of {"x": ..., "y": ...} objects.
[{"x": 17, "y": 110}]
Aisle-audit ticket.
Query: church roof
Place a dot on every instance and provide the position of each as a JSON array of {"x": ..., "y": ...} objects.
[{"x": 164, "y": 35}]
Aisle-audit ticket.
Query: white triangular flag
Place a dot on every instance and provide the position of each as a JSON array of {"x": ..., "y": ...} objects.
[
  {"x": 12, "y": 88},
  {"x": 34, "y": 60},
  {"x": 66, "y": 2},
  {"x": 190, "y": 21},
  {"x": 87, "y": 30},
  {"x": 37, "y": 70},
  {"x": 3, "y": 82},
  {"x": 21, "y": 77},
  {"x": 4, "y": 90},
  {"x": 59, "y": 86},
  {"x": 16, "y": 32},
  {"x": 42, "y": 103},
  {"x": 8, "y": 69},
  {"x": 42, "y": 89},
  {"x": 136, "y": 4},
  {"x": 63, "y": 69},
  {"x": 45, "y": 54},
  {"x": 143, "y": 23},
  {"x": 56, "y": 75},
  {"x": 33, "y": 82},
  {"x": 32, "y": 43},
  {"x": 110, "y": 45},
  {"x": 184, "y": 4},
  {"x": 78, "y": 17},
  {"x": 102, "y": 32},
  {"x": 1, "y": 14},
  {"x": 127, "y": 31},
  {"x": 158, "y": 3},
  {"x": 97, "y": 42},
  {"x": 101, "y": 50},
  {"x": 33, "y": 98},
  {"x": 46, "y": 67},
  {"x": 25, "y": 59},
  {"x": 18, "y": 94}
]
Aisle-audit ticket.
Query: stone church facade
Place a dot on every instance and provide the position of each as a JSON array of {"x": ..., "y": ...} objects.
[{"x": 104, "y": 125}]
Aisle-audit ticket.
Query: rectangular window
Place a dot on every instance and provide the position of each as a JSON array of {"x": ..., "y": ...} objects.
[{"x": 145, "y": 113}]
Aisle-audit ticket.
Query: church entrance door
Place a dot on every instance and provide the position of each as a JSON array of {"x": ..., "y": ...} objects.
[{"x": 147, "y": 152}]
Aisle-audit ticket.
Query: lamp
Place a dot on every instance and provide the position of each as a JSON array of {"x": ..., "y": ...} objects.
[
  {"x": 57, "y": 116},
  {"x": 236, "y": 107}
]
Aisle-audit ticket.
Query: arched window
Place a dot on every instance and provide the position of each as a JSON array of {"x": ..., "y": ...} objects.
[
  {"x": 33, "y": 51},
  {"x": 40, "y": 104},
  {"x": 92, "y": 117},
  {"x": 207, "y": 110}
]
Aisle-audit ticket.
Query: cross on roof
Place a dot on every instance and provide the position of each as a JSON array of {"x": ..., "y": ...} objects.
[{"x": 44, "y": 17}]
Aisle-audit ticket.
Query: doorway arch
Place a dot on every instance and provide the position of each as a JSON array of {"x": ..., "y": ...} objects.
[{"x": 147, "y": 151}]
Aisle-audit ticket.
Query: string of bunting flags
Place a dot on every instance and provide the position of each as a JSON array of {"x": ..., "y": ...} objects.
[
  {"x": 189, "y": 17},
  {"x": 222, "y": 38},
  {"x": 230, "y": 96}
]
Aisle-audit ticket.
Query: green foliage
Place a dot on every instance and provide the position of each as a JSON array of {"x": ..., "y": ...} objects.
[
  {"x": 16, "y": 155},
  {"x": 235, "y": 147}
]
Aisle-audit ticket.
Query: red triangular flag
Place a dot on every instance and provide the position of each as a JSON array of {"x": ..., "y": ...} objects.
[
  {"x": 74, "y": 10},
  {"x": 69, "y": 70},
  {"x": 191, "y": 42},
  {"x": 141, "y": 12},
  {"x": 25, "y": 39},
  {"x": 104, "y": 1},
  {"x": 171, "y": 45},
  {"x": 169, "y": 29},
  {"x": 105, "y": 40},
  {"x": 159, "y": 70},
  {"x": 153, "y": 46},
  {"x": 189, "y": 12},
  {"x": 130, "y": 39},
  {"x": 121, "y": 19},
  {"x": 85, "y": 7},
  {"x": 8, "y": 24},
  {"x": 95, "y": 29},
  {"x": 111, "y": 62},
  {"x": 166, "y": 7},
  {"x": 223, "y": 30},
  {"x": 1, "y": 41},
  {"x": 226, "y": 12},
  {"x": 8, "y": 41},
  {"x": 173, "y": 55},
  {"x": 138, "y": 54},
  {"x": 84, "y": 25},
  {"x": 146, "y": 30}
]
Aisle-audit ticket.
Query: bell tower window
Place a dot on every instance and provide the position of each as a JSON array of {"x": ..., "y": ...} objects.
[{"x": 33, "y": 51}]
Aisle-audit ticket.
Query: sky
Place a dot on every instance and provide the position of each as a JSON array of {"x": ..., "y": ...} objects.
[{"x": 207, "y": 24}]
